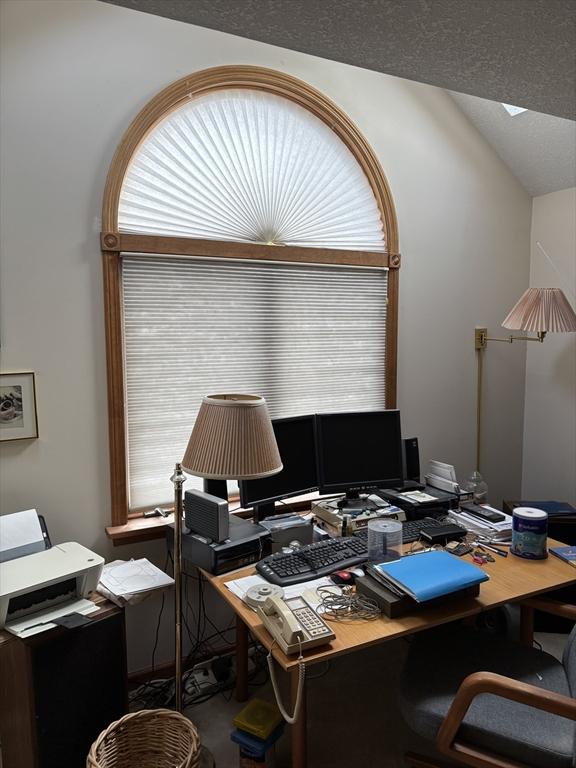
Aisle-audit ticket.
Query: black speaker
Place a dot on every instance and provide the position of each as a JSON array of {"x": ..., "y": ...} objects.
[
  {"x": 217, "y": 488},
  {"x": 411, "y": 459},
  {"x": 206, "y": 515},
  {"x": 60, "y": 689}
]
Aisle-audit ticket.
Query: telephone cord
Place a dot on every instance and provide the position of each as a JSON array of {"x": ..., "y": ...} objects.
[{"x": 290, "y": 719}]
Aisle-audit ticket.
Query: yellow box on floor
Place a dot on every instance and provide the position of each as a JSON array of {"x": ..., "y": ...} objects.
[{"x": 258, "y": 718}]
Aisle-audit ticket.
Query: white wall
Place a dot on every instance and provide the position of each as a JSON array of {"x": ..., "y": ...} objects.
[
  {"x": 549, "y": 469},
  {"x": 74, "y": 74}
]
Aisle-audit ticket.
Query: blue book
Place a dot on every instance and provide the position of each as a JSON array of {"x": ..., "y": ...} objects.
[
  {"x": 429, "y": 575},
  {"x": 566, "y": 553}
]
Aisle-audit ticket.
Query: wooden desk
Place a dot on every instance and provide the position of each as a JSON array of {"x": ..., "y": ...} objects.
[{"x": 511, "y": 579}]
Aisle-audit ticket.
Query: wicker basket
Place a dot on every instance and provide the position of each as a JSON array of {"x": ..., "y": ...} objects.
[{"x": 151, "y": 738}]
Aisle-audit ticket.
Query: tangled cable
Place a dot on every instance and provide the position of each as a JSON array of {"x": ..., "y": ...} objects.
[{"x": 345, "y": 605}]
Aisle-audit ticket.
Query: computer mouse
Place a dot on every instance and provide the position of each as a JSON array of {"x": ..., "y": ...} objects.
[{"x": 342, "y": 577}]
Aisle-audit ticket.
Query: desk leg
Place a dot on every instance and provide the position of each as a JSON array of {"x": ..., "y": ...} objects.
[
  {"x": 241, "y": 660},
  {"x": 526, "y": 626},
  {"x": 299, "y": 750}
]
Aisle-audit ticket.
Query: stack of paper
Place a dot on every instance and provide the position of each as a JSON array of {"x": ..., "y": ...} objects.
[
  {"x": 501, "y": 531},
  {"x": 129, "y": 582}
]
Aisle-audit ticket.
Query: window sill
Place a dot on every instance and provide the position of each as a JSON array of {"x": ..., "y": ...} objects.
[
  {"x": 148, "y": 528},
  {"x": 139, "y": 529}
]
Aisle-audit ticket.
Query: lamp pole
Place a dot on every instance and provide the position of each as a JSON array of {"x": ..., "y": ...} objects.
[{"x": 178, "y": 479}]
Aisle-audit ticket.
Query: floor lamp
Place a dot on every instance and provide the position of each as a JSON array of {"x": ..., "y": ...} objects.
[
  {"x": 539, "y": 310},
  {"x": 232, "y": 439}
]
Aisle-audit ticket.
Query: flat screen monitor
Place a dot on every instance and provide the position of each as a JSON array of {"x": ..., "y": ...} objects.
[
  {"x": 295, "y": 438},
  {"x": 357, "y": 451}
]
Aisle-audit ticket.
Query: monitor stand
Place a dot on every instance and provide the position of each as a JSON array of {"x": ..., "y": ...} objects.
[
  {"x": 353, "y": 500},
  {"x": 410, "y": 485},
  {"x": 264, "y": 510}
]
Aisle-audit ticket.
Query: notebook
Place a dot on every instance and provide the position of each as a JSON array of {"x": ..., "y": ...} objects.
[{"x": 428, "y": 575}]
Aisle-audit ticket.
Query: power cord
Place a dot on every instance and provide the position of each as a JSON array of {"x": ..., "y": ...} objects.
[{"x": 345, "y": 605}]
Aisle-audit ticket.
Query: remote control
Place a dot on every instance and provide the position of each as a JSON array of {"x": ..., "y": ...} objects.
[{"x": 482, "y": 512}]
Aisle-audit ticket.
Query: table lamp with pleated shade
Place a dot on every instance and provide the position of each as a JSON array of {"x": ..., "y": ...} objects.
[{"x": 232, "y": 439}]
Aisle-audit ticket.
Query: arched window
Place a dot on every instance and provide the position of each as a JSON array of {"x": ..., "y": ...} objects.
[{"x": 249, "y": 244}]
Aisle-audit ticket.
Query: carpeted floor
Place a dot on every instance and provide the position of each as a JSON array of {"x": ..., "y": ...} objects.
[{"x": 353, "y": 721}]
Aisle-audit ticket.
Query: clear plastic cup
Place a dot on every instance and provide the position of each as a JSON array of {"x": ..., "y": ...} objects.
[{"x": 384, "y": 540}]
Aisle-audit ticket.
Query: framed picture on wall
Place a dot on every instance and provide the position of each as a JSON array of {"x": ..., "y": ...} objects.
[{"x": 18, "y": 418}]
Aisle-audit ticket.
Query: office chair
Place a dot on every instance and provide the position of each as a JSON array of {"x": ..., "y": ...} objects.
[{"x": 488, "y": 702}]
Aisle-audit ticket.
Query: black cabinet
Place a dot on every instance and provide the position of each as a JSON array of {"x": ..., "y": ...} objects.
[{"x": 59, "y": 689}]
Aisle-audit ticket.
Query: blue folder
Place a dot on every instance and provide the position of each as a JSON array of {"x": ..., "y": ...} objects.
[{"x": 430, "y": 574}]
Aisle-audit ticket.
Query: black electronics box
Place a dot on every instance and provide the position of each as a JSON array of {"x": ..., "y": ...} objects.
[
  {"x": 440, "y": 503},
  {"x": 247, "y": 543},
  {"x": 442, "y": 534},
  {"x": 394, "y": 606},
  {"x": 286, "y": 528}
]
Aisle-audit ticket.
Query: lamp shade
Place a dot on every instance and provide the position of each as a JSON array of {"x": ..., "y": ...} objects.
[
  {"x": 541, "y": 309},
  {"x": 232, "y": 439}
]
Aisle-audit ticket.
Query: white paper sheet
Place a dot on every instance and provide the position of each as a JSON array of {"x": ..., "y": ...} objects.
[
  {"x": 20, "y": 529},
  {"x": 133, "y": 577},
  {"x": 42, "y": 620},
  {"x": 240, "y": 586}
]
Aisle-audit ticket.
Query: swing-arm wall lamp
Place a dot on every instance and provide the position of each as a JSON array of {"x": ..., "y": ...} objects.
[{"x": 539, "y": 310}]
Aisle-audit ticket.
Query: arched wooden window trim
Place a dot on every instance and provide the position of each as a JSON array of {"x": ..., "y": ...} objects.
[{"x": 113, "y": 242}]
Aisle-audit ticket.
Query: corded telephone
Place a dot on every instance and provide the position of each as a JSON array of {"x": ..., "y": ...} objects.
[{"x": 294, "y": 624}]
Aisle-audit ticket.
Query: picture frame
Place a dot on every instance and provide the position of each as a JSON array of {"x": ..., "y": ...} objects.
[{"x": 18, "y": 415}]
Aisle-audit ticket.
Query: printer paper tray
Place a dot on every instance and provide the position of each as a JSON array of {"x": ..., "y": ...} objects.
[{"x": 40, "y": 621}]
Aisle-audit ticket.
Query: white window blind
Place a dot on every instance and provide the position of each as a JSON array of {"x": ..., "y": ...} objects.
[
  {"x": 307, "y": 337},
  {"x": 249, "y": 166}
]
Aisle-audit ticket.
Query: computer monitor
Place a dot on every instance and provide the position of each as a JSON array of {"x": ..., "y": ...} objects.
[
  {"x": 295, "y": 438},
  {"x": 358, "y": 451}
]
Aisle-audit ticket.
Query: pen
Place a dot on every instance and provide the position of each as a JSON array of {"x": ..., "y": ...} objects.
[{"x": 500, "y": 552}]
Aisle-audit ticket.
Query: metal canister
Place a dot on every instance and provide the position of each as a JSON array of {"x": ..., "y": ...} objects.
[{"x": 529, "y": 533}]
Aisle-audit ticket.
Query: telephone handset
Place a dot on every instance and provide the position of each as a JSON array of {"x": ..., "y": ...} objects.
[{"x": 294, "y": 624}]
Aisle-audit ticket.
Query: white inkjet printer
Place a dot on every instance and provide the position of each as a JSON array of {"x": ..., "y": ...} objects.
[{"x": 47, "y": 579}]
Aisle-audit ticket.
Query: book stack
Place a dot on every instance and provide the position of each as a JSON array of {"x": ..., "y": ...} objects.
[{"x": 258, "y": 727}]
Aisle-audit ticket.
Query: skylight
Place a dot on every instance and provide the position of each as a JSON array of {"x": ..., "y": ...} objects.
[{"x": 512, "y": 110}]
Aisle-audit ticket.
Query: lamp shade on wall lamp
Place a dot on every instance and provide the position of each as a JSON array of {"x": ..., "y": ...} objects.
[
  {"x": 542, "y": 310},
  {"x": 232, "y": 438}
]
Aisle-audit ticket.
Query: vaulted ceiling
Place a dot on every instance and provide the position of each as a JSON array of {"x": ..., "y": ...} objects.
[
  {"x": 484, "y": 51},
  {"x": 516, "y": 51}
]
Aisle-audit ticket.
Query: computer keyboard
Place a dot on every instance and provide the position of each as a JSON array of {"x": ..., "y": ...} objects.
[
  {"x": 324, "y": 557},
  {"x": 313, "y": 560}
]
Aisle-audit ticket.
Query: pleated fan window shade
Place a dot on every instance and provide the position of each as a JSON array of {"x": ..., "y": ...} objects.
[
  {"x": 249, "y": 166},
  {"x": 308, "y": 338},
  {"x": 237, "y": 164}
]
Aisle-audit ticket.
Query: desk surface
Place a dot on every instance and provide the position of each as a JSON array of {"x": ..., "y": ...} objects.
[{"x": 511, "y": 579}]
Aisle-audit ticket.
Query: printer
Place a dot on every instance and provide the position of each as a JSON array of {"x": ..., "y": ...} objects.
[{"x": 47, "y": 579}]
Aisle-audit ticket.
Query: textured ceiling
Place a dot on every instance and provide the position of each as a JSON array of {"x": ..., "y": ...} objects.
[
  {"x": 540, "y": 150},
  {"x": 517, "y": 51},
  {"x": 521, "y": 52}
]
